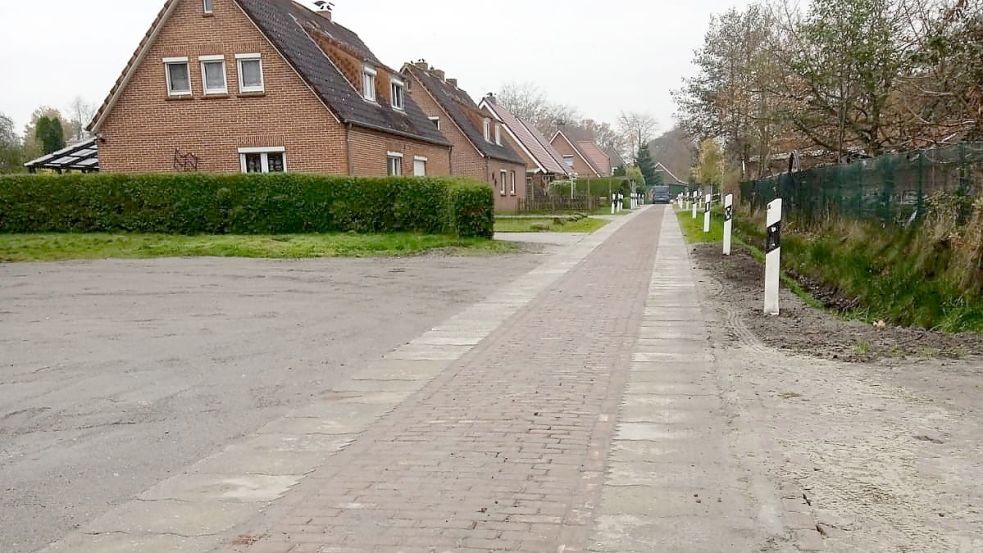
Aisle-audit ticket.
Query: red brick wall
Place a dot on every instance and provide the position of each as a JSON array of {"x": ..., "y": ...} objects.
[
  {"x": 564, "y": 148},
  {"x": 146, "y": 127},
  {"x": 370, "y": 159},
  {"x": 466, "y": 161}
]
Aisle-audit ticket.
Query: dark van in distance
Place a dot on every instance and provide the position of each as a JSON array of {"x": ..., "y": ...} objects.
[{"x": 661, "y": 195}]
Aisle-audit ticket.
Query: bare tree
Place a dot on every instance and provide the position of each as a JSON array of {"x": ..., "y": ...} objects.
[
  {"x": 80, "y": 114},
  {"x": 529, "y": 102},
  {"x": 636, "y": 129}
]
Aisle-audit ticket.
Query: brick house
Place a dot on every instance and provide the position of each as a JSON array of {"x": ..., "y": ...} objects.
[
  {"x": 543, "y": 163},
  {"x": 481, "y": 150},
  {"x": 230, "y": 86},
  {"x": 580, "y": 154}
]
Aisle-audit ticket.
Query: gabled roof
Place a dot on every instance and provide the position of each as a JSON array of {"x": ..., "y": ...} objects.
[
  {"x": 291, "y": 28},
  {"x": 598, "y": 159},
  {"x": 675, "y": 180},
  {"x": 528, "y": 137},
  {"x": 462, "y": 110},
  {"x": 615, "y": 157},
  {"x": 578, "y": 146}
]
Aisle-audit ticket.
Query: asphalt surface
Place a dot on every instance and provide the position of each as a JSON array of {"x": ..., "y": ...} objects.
[{"x": 115, "y": 374}]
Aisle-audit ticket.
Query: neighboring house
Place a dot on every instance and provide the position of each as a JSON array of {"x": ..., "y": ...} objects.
[
  {"x": 481, "y": 151},
  {"x": 230, "y": 86},
  {"x": 580, "y": 154},
  {"x": 543, "y": 163},
  {"x": 615, "y": 158},
  {"x": 676, "y": 186}
]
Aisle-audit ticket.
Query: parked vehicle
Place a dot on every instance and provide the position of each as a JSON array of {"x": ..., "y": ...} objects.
[{"x": 661, "y": 195}]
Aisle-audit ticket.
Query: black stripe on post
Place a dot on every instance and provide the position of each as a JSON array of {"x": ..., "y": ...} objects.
[
  {"x": 774, "y": 237},
  {"x": 729, "y": 213}
]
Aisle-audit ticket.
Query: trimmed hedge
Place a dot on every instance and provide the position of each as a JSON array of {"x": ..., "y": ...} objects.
[{"x": 243, "y": 204}]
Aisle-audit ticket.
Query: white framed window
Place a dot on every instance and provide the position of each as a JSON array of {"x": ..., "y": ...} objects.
[
  {"x": 487, "y": 130},
  {"x": 435, "y": 121},
  {"x": 368, "y": 83},
  {"x": 568, "y": 160},
  {"x": 502, "y": 178},
  {"x": 213, "y": 74},
  {"x": 263, "y": 160},
  {"x": 208, "y": 7},
  {"x": 178, "y": 76},
  {"x": 420, "y": 166},
  {"x": 250, "y": 73},
  {"x": 498, "y": 134},
  {"x": 395, "y": 164},
  {"x": 512, "y": 183},
  {"x": 398, "y": 89}
]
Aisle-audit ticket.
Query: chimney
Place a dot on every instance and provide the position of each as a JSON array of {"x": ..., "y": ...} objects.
[
  {"x": 422, "y": 64},
  {"x": 438, "y": 73},
  {"x": 324, "y": 9},
  {"x": 452, "y": 82}
]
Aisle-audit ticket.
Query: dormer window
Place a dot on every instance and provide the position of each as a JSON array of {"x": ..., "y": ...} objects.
[
  {"x": 208, "y": 7},
  {"x": 487, "y": 130},
  {"x": 398, "y": 94},
  {"x": 368, "y": 83},
  {"x": 498, "y": 134}
]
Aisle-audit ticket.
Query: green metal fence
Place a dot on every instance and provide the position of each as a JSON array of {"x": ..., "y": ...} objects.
[{"x": 893, "y": 188}]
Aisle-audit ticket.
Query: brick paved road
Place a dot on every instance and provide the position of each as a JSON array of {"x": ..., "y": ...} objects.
[{"x": 505, "y": 450}]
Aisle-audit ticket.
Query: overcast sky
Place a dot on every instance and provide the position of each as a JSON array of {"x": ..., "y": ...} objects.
[{"x": 600, "y": 56}]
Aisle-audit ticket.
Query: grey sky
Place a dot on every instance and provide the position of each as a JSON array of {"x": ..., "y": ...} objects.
[{"x": 599, "y": 56}]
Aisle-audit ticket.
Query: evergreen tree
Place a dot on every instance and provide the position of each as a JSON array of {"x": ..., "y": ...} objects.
[
  {"x": 50, "y": 134},
  {"x": 644, "y": 161}
]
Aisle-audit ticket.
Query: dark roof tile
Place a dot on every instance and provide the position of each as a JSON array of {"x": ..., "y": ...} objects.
[
  {"x": 287, "y": 25},
  {"x": 458, "y": 104}
]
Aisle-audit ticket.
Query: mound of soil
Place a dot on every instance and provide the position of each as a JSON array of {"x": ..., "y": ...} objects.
[{"x": 738, "y": 283}]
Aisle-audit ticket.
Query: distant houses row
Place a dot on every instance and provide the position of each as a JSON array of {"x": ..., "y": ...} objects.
[{"x": 272, "y": 86}]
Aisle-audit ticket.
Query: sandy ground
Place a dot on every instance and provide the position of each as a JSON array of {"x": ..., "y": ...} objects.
[
  {"x": 804, "y": 329},
  {"x": 888, "y": 449},
  {"x": 115, "y": 374}
]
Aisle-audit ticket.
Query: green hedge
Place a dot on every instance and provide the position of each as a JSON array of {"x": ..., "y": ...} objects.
[{"x": 243, "y": 204}]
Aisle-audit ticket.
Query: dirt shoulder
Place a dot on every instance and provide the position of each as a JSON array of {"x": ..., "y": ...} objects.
[{"x": 806, "y": 330}]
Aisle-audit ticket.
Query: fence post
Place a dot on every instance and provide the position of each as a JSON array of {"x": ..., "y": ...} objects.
[
  {"x": 773, "y": 257},
  {"x": 706, "y": 215},
  {"x": 728, "y": 221}
]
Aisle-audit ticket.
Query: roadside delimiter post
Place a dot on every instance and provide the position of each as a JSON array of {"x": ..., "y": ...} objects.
[
  {"x": 706, "y": 215},
  {"x": 694, "y": 205},
  {"x": 728, "y": 222},
  {"x": 773, "y": 255},
  {"x": 614, "y": 200}
]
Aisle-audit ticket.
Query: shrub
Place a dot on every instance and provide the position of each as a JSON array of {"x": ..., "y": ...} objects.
[{"x": 243, "y": 204}]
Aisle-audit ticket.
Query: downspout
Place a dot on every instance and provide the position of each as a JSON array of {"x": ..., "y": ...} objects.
[{"x": 348, "y": 150}]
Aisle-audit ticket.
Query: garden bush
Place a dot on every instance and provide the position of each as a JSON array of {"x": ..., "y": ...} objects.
[{"x": 243, "y": 204}]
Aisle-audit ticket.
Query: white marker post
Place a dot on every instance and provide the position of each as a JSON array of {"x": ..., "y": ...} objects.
[
  {"x": 614, "y": 201},
  {"x": 728, "y": 222},
  {"x": 706, "y": 215},
  {"x": 694, "y": 205},
  {"x": 773, "y": 257}
]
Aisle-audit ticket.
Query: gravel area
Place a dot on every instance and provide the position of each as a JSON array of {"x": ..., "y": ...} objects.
[{"x": 115, "y": 374}]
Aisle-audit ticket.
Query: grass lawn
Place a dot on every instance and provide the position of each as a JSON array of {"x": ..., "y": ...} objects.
[
  {"x": 693, "y": 228},
  {"x": 55, "y": 247},
  {"x": 547, "y": 224}
]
